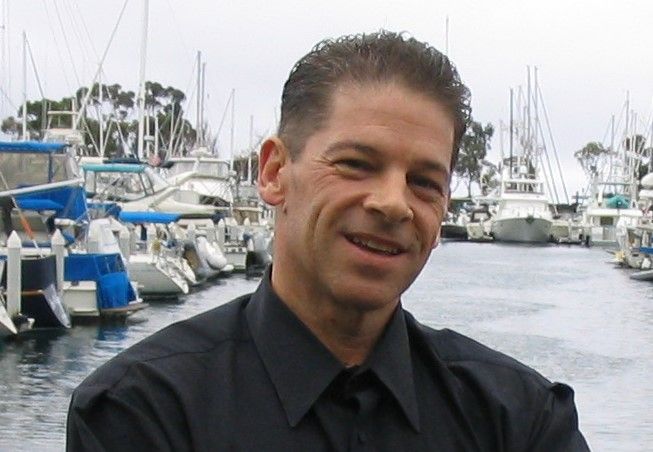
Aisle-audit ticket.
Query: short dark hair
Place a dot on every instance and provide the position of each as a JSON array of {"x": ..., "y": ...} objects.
[{"x": 382, "y": 56}]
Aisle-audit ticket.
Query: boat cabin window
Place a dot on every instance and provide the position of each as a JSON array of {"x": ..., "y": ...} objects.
[
  {"x": 606, "y": 221},
  {"x": 180, "y": 167},
  {"x": 214, "y": 169},
  {"x": 115, "y": 186},
  {"x": 26, "y": 169}
]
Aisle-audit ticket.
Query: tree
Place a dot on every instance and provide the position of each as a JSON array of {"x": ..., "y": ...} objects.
[
  {"x": 639, "y": 155},
  {"x": 489, "y": 178},
  {"x": 589, "y": 156},
  {"x": 473, "y": 150},
  {"x": 116, "y": 108}
]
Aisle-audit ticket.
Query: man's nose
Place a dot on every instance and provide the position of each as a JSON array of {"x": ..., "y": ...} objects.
[{"x": 389, "y": 198}]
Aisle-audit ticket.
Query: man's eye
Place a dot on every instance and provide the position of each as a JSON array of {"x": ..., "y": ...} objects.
[
  {"x": 426, "y": 183},
  {"x": 354, "y": 164}
]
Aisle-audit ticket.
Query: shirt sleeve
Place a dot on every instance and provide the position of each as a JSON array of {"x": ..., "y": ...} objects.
[
  {"x": 131, "y": 418},
  {"x": 557, "y": 428}
]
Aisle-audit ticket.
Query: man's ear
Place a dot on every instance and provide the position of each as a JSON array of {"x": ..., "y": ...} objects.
[
  {"x": 272, "y": 160},
  {"x": 447, "y": 204}
]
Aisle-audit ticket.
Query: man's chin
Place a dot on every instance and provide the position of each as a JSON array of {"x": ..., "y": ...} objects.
[{"x": 372, "y": 299}]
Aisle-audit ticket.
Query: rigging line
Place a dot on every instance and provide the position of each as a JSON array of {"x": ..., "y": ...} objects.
[
  {"x": 607, "y": 131},
  {"x": 546, "y": 176},
  {"x": 90, "y": 135},
  {"x": 65, "y": 38},
  {"x": 178, "y": 29},
  {"x": 553, "y": 144},
  {"x": 73, "y": 25},
  {"x": 88, "y": 35},
  {"x": 21, "y": 215},
  {"x": 8, "y": 99},
  {"x": 84, "y": 43},
  {"x": 56, "y": 45},
  {"x": 224, "y": 114},
  {"x": 548, "y": 162},
  {"x": 104, "y": 55},
  {"x": 36, "y": 72},
  {"x": 179, "y": 121}
]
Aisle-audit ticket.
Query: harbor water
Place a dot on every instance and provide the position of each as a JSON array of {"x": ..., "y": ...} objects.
[{"x": 563, "y": 310}]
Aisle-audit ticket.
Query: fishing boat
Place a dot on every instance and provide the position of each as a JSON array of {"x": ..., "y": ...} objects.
[{"x": 523, "y": 213}]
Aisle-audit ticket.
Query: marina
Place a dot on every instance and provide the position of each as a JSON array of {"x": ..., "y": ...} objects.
[
  {"x": 130, "y": 143},
  {"x": 561, "y": 309}
]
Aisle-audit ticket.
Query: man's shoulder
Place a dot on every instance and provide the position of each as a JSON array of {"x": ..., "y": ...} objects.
[
  {"x": 197, "y": 335},
  {"x": 464, "y": 355}
]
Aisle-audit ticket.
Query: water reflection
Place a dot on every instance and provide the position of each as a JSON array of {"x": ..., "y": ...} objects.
[{"x": 562, "y": 310}]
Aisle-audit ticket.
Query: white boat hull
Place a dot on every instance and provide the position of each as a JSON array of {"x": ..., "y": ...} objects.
[
  {"x": 154, "y": 278},
  {"x": 7, "y": 327},
  {"x": 522, "y": 229}
]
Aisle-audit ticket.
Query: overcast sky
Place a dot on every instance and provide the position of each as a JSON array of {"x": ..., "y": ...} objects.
[{"x": 588, "y": 53}]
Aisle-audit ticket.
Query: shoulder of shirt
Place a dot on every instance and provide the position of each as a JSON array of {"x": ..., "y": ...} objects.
[
  {"x": 202, "y": 333},
  {"x": 457, "y": 350}
]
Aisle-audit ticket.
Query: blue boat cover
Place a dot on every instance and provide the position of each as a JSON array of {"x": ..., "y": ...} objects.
[
  {"x": 38, "y": 204},
  {"x": 617, "y": 202},
  {"x": 67, "y": 202},
  {"x": 108, "y": 271},
  {"x": 148, "y": 217},
  {"x": 646, "y": 250},
  {"x": 31, "y": 147},
  {"x": 114, "y": 167}
]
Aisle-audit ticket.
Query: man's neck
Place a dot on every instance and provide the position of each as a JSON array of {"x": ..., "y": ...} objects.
[{"x": 350, "y": 334}]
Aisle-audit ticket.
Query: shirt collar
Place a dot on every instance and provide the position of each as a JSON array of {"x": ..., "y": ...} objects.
[
  {"x": 391, "y": 362},
  {"x": 301, "y": 367}
]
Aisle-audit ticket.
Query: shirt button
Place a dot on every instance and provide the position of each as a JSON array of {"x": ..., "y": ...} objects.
[{"x": 362, "y": 438}]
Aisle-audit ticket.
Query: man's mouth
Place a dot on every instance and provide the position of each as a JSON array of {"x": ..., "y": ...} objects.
[{"x": 375, "y": 246}]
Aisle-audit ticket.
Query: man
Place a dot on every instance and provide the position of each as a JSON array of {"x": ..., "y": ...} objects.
[{"x": 322, "y": 356}]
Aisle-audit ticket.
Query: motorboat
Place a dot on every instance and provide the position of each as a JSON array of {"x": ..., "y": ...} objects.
[
  {"x": 148, "y": 263},
  {"x": 202, "y": 179},
  {"x": 523, "y": 213},
  {"x": 97, "y": 285},
  {"x": 136, "y": 187}
]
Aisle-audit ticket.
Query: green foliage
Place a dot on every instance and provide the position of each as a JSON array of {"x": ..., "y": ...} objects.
[
  {"x": 589, "y": 156},
  {"x": 117, "y": 109},
  {"x": 473, "y": 150},
  {"x": 490, "y": 178}
]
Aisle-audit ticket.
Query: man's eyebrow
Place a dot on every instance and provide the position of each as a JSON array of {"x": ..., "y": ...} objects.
[
  {"x": 354, "y": 145},
  {"x": 432, "y": 165},
  {"x": 423, "y": 164}
]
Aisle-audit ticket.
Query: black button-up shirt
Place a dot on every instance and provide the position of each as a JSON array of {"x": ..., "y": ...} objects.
[{"x": 250, "y": 376}]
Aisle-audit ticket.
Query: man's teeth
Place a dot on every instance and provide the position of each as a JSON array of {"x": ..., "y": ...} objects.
[{"x": 371, "y": 244}]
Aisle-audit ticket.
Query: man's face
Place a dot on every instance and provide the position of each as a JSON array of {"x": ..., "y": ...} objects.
[{"x": 361, "y": 206}]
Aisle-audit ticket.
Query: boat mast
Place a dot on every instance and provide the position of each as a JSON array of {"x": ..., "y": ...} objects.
[
  {"x": 231, "y": 139},
  {"x": 5, "y": 63},
  {"x": 511, "y": 128},
  {"x": 650, "y": 151},
  {"x": 251, "y": 146},
  {"x": 625, "y": 161},
  {"x": 198, "y": 107},
  {"x": 141, "y": 81},
  {"x": 101, "y": 116},
  {"x": 528, "y": 109},
  {"x": 24, "y": 131}
]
